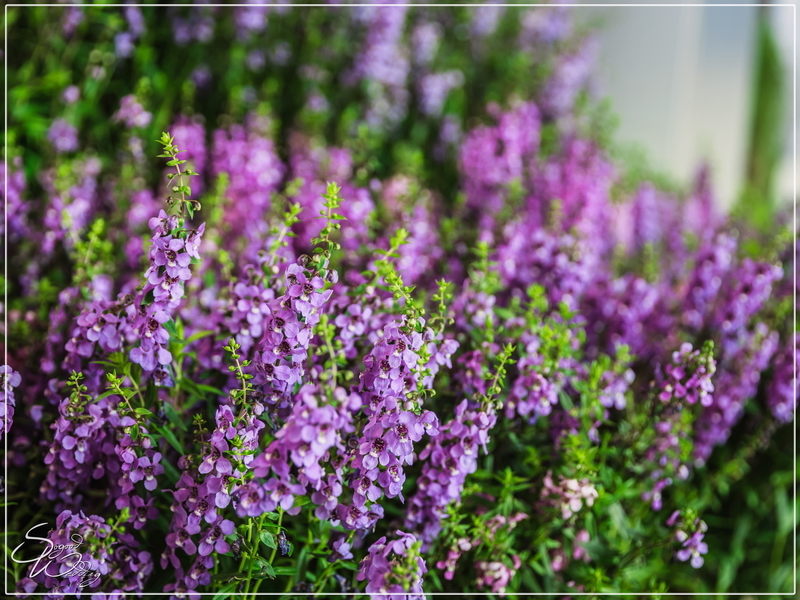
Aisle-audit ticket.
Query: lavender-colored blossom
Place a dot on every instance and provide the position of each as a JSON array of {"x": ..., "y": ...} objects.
[
  {"x": 201, "y": 76},
  {"x": 63, "y": 136},
  {"x": 199, "y": 26},
  {"x": 570, "y": 77},
  {"x": 781, "y": 393},
  {"x": 131, "y": 113},
  {"x": 447, "y": 460},
  {"x": 190, "y": 137},
  {"x": 71, "y": 94},
  {"x": 73, "y": 16},
  {"x": 425, "y": 42},
  {"x": 384, "y": 65},
  {"x": 491, "y": 158},
  {"x": 690, "y": 537},
  {"x": 738, "y": 376},
  {"x": 484, "y": 19},
  {"x": 16, "y": 206},
  {"x": 545, "y": 26},
  {"x": 124, "y": 44},
  {"x": 689, "y": 377},
  {"x": 381, "y": 568},
  {"x": 568, "y": 495},
  {"x": 84, "y": 557},
  {"x": 10, "y": 379},
  {"x": 496, "y": 575},
  {"x": 433, "y": 89}
]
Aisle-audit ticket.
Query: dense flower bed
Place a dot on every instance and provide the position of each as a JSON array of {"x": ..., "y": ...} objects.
[{"x": 374, "y": 337}]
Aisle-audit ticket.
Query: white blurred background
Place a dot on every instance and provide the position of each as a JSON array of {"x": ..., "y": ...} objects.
[{"x": 681, "y": 79}]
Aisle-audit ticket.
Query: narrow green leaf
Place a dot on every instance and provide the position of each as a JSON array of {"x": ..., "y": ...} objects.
[
  {"x": 170, "y": 437},
  {"x": 173, "y": 417},
  {"x": 225, "y": 591},
  {"x": 196, "y": 336}
]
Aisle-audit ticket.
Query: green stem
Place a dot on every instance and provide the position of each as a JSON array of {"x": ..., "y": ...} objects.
[
  {"x": 272, "y": 556},
  {"x": 138, "y": 391},
  {"x": 322, "y": 580},
  {"x": 275, "y": 549},
  {"x": 244, "y": 554},
  {"x": 254, "y": 545}
]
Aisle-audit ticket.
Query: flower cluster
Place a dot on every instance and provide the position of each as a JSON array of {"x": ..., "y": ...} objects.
[
  {"x": 449, "y": 458},
  {"x": 689, "y": 376},
  {"x": 781, "y": 395},
  {"x": 496, "y": 575},
  {"x": 132, "y": 114},
  {"x": 82, "y": 556},
  {"x": 63, "y": 136},
  {"x": 394, "y": 569},
  {"x": 311, "y": 437},
  {"x": 392, "y": 427},
  {"x": 170, "y": 256},
  {"x": 568, "y": 495},
  {"x": 689, "y": 534},
  {"x": 11, "y": 379}
]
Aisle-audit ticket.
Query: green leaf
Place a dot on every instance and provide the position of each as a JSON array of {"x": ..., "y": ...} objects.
[
  {"x": 171, "y": 329},
  {"x": 173, "y": 416},
  {"x": 210, "y": 389},
  {"x": 191, "y": 387},
  {"x": 266, "y": 568},
  {"x": 170, "y": 437},
  {"x": 268, "y": 539},
  {"x": 284, "y": 570},
  {"x": 143, "y": 411},
  {"x": 566, "y": 401},
  {"x": 105, "y": 395},
  {"x": 196, "y": 336},
  {"x": 104, "y": 362},
  {"x": 225, "y": 591},
  {"x": 301, "y": 500}
]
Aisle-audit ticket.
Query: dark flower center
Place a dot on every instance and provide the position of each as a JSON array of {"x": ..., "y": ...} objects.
[
  {"x": 378, "y": 446},
  {"x": 202, "y": 507}
]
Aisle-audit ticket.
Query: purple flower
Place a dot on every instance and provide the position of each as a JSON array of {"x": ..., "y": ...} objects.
[
  {"x": 63, "y": 136},
  {"x": 142, "y": 512},
  {"x": 130, "y": 112},
  {"x": 394, "y": 568},
  {"x": 71, "y": 94},
  {"x": 10, "y": 380},
  {"x": 124, "y": 44},
  {"x": 214, "y": 539},
  {"x": 182, "y": 536},
  {"x": 148, "y": 469}
]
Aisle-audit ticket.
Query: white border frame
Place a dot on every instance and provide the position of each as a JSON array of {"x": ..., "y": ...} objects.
[{"x": 794, "y": 310}]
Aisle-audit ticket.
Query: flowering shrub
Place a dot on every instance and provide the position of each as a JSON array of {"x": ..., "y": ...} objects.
[{"x": 389, "y": 330}]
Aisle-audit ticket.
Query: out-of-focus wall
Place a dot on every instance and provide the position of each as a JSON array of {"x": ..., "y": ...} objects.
[
  {"x": 680, "y": 78},
  {"x": 783, "y": 23}
]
